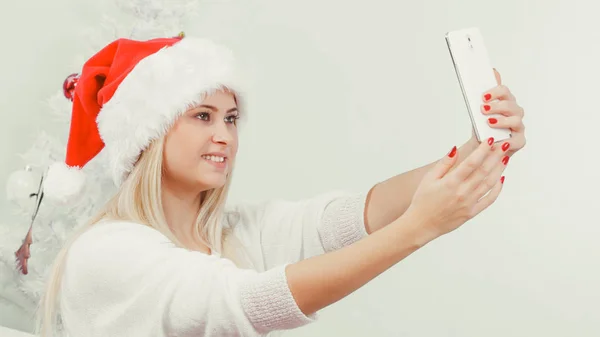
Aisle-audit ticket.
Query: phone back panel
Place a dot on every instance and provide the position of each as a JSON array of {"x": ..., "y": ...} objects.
[{"x": 475, "y": 76}]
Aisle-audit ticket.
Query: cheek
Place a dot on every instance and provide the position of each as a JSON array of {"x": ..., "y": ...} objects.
[
  {"x": 234, "y": 144},
  {"x": 233, "y": 149},
  {"x": 178, "y": 155},
  {"x": 181, "y": 153}
]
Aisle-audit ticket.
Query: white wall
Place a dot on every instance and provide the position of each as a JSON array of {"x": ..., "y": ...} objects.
[{"x": 347, "y": 93}]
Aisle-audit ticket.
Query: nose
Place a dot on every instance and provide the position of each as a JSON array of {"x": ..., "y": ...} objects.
[{"x": 222, "y": 134}]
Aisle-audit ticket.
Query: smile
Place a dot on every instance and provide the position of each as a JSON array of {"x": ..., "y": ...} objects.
[{"x": 215, "y": 159}]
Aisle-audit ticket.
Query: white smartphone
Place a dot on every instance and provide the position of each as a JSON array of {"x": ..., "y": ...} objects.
[{"x": 475, "y": 76}]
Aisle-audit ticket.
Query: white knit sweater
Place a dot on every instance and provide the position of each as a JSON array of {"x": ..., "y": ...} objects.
[{"x": 124, "y": 279}]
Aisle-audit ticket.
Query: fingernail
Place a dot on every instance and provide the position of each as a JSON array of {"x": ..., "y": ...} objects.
[
  {"x": 505, "y": 146},
  {"x": 492, "y": 120},
  {"x": 487, "y": 97},
  {"x": 502, "y": 180},
  {"x": 505, "y": 160},
  {"x": 491, "y": 141},
  {"x": 452, "y": 152},
  {"x": 486, "y": 107}
]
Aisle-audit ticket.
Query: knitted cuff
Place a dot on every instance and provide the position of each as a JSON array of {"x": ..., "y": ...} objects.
[
  {"x": 269, "y": 304},
  {"x": 343, "y": 222}
]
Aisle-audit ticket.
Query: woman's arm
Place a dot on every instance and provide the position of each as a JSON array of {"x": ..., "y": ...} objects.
[
  {"x": 449, "y": 195},
  {"x": 290, "y": 231},
  {"x": 389, "y": 199},
  {"x": 325, "y": 279}
]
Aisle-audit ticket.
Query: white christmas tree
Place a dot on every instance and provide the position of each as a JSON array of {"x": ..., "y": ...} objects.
[{"x": 135, "y": 19}]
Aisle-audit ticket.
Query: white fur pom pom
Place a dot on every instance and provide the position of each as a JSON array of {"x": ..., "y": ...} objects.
[{"x": 63, "y": 184}]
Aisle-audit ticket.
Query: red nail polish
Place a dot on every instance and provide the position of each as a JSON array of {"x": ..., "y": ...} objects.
[
  {"x": 505, "y": 146},
  {"x": 505, "y": 160},
  {"x": 487, "y": 107},
  {"x": 502, "y": 180},
  {"x": 491, "y": 141},
  {"x": 492, "y": 120},
  {"x": 487, "y": 97},
  {"x": 452, "y": 152}
]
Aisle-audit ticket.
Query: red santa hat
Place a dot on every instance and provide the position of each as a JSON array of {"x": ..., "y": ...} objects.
[{"x": 130, "y": 93}]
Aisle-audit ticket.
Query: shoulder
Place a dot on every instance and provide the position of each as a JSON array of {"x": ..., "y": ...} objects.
[
  {"x": 115, "y": 265},
  {"x": 115, "y": 246},
  {"x": 114, "y": 234},
  {"x": 113, "y": 260}
]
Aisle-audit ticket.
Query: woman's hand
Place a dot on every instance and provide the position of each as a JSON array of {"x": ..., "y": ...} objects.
[
  {"x": 499, "y": 100},
  {"x": 451, "y": 194}
]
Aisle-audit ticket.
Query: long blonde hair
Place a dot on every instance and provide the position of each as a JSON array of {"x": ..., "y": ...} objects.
[{"x": 139, "y": 200}]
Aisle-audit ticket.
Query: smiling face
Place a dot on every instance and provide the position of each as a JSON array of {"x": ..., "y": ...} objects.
[{"x": 201, "y": 146}]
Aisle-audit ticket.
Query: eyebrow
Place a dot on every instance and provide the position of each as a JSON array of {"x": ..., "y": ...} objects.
[{"x": 215, "y": 109}]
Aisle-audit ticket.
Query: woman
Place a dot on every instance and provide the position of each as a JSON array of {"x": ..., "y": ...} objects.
[{"x": 166, "y": 258}]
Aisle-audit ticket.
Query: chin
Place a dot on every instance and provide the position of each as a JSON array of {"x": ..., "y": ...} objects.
[{"x": 213, "y": 181}]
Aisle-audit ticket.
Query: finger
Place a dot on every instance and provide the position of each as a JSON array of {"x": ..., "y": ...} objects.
[
  {"x": 504, "y": 107},
  {"x": 514, "y": 123},
  {"x": 488, "y": 170},
  {"x": 489, "y": 199},
  {"x": 24, "y": 267},
  {"x": 492, "y": 178},
  {"x": 500, "y": 92},
  {"x": 445, "y": 164},
  {"x": 517, "y": 140},
  {"x": 498, "y": 77},
  {"x": 473, "y": 161}
]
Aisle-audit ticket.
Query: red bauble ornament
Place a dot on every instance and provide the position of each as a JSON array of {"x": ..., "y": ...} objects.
[{"x": 69, "y": 86}]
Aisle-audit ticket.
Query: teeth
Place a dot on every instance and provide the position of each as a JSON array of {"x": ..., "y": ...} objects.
[{"x": 214, "y": 158}]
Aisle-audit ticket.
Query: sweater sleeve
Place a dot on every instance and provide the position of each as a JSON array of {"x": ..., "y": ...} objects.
[
  {"x": 291, "y": 231},
  {"x": 124, "y": 279}
]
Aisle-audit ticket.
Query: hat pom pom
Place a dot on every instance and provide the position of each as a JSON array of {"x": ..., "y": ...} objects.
[{"x": 63, "y": 184}]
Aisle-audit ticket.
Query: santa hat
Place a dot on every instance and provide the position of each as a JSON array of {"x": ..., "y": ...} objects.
[{"x": 130, "y": 93}]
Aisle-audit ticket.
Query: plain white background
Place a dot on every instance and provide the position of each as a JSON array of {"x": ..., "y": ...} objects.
[{"x": 347, "y": 93}]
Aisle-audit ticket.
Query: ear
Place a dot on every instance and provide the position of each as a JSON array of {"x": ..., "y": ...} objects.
[{"x": 498, "y": 77}]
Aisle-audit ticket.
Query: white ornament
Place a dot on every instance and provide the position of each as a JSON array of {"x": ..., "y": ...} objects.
[{"x": 22, "y": 186}]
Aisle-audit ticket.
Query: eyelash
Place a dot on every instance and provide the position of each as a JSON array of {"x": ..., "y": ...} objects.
[{"x": 233, "y": 117}]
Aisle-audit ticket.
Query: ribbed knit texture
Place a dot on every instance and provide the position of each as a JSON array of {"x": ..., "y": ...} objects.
[
  {"x": 343, "y": 222},
  {"x": 269, "y": 303}
]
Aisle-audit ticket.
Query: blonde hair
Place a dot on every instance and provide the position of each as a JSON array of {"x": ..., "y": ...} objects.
[{"x": 139, "y": 200}]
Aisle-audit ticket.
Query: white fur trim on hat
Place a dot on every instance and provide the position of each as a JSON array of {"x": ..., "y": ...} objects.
[
  {"x": 159, "y": 89},
  {"x": 63, "y": 184}
]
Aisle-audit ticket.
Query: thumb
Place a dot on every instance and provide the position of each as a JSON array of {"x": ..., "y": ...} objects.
[{"x": 443, "y": 166}]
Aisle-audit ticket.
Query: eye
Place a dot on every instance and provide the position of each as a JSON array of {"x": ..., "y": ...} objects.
[
  {"x": 232, "y": 119},
  {"x": 205, "y": 116}
]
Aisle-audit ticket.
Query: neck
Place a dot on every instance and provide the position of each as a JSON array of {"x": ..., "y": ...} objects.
[{"x": 181, "y": 213}]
